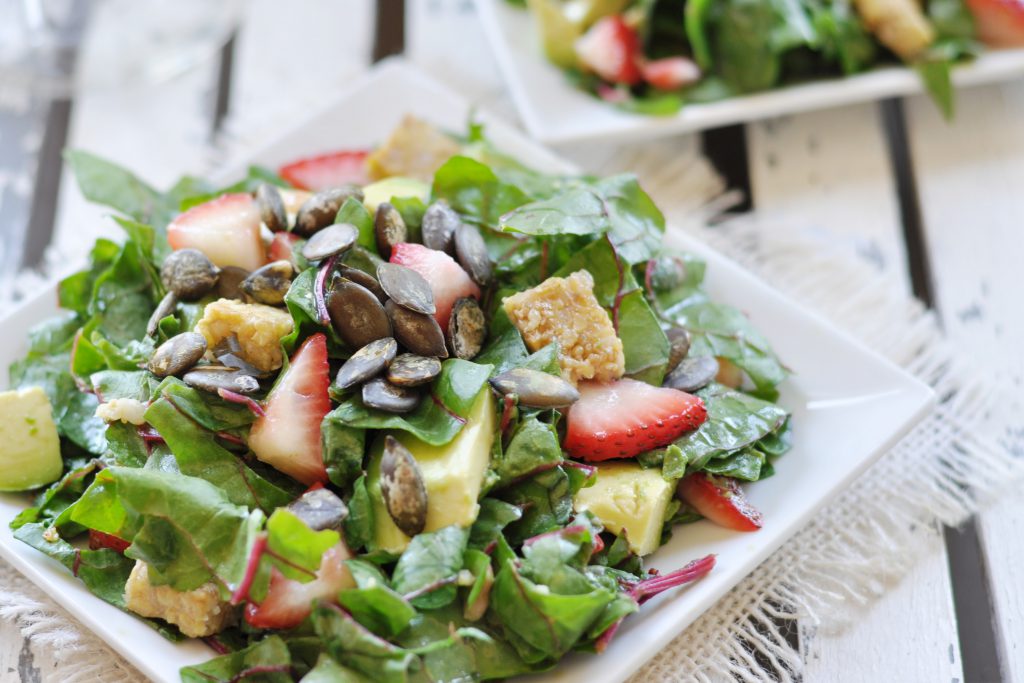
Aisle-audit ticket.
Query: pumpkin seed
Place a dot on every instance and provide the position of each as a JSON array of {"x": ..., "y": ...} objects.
[
  {"x": 212, "y": 378},
  {"x": 535, "y": 389},
  {"x": 471, "y": 251},
  {"x": 388, "y": 228},
  {"x": 189, "y": 274},
  {"x": 320, "y": 210},
  {"x": 268, "y": 284},
  {"x": 366, "y": 363},
  {"x": 380, "y": 394},
  {"x": 406, "y": 287},
  {"x": 163, "y": 309},
  {"x": 320, "y": 509},
  {"x": 417, "y": 332},
  {"x": 361, "y": 277},
  {"x": 229, "y": 284},
  {"x": 332, "y": 240},
  {"x": 692, "y": 374},
  {"x": 467, "y": 329},
  {"x": 678, "y": 346},
  {"x": 401, "y": 486},
  {"x": 177, "y": 354},
  {"x": 271, "y": 205},
  {"x": 438, "y": 226},
  {"x": 410, "y": 370},
  {"x": 356, "y": 314}
]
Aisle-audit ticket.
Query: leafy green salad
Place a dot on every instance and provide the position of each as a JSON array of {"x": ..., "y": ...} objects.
[
  {"x": 655, "y": 56},
  {"x": 415, "y": 413}
]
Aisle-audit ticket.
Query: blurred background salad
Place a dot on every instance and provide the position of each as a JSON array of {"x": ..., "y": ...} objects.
[{"x": 654, "y": 56}]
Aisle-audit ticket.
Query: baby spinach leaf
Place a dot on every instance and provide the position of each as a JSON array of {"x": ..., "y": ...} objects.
[
  {"x": 75, "y": 291},
  {"x": 199, "y": 455},
  {"x": 745, "y": 464},
  {"x": 378, "y": 608},
  {"x": 135, "y": 384},
  {"x": 493, "y": 517},
  {"x": 354, "y": 213},
  {"x": 329, "y": 671},
  {"x": 359, "y": 525},
  {"x": 472, "y": 189},
  {"x": 735, "y": 421},
  {"x": 429, "y": 566},
  {"x": 58, "y": 496},
  {"x": 356, "y": 647},
  {"x": 185, "y": 528},
  {"x": 209, "y": 410},
  {"x": 720, "y": 330},
  {"x": 438, "y": 418},
  {"x": 546, "y": 503},
  {"x": 124, "y": 446},
  {"x": 616, "y": 206},
  {"x": 104, "y": 182},
  {"x": 267, "y": 660},
  {"x": 534, "y": 445}
]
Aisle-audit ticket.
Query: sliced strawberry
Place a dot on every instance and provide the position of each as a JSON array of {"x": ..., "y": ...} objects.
[
  {"x": 447, "y": 279},
  {"x": 99, "y": 540},
  {"x": 226, "y": 229},
  {"x": 721, "y": 500},
  {"x": 282, "y": 247},
  {"x": 999, "y": 23},
  {"x": 671, "y": 73},
  {"x": 611, "y": 49},
  {"x": 626, "y": 417},
  {"x": 327, "y": 170},
  {"x": 287, "y": 435},
  {"x": 288, "y": 601}
]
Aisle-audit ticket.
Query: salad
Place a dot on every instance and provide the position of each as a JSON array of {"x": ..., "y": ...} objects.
[
  {"x": 654, "y": 56},
  {"x": 416, "y": 413}
]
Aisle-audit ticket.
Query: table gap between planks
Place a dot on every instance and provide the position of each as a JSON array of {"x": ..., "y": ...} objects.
[{"x": 828, "y": 173}]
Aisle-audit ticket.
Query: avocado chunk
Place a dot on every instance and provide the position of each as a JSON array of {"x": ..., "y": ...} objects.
[
  {"x": 452, "y": 474},
  {"x": 382, "y": 191},
  {"x": 561, "y": 22},
  {"x": 30, "y": 456},
  {"x": 628, "y": 498}
]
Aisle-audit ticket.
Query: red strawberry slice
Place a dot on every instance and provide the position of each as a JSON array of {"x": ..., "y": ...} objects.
[
  {"x": 671, "y": 73},
  {"x": 282, "y": 247},
  {"x": 611, "y": 49},
  {"x": 626, "y": 417},
  {"x": 999, "y": 23},
  {"x": 288, "y": 601},
  {"x": 99, "y": 540},
  {"x": 327, "y": 170},
  {"x": 287, "y": 435},
  {"x": 226, "y": 229},
  {"x": 447, "y": 279},
  {"x": 721, "y": 500}
]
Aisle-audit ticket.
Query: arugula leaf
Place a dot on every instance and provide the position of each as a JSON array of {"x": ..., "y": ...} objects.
[
  {"x": 735, "y": 421},
  {"x": 616, "y": 206},
  {"x": 438, "y": 418},
  {"x": 198, "y": 454},
  {"x": 267, "y": 660},
  {"x": 430, "y": 565},
  {"x": 185, "y": 528}
]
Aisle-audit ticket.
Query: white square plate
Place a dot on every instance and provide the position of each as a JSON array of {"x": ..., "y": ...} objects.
[
  {"x": 556, "y": 112},
  {"x": 849, "y": 405}
]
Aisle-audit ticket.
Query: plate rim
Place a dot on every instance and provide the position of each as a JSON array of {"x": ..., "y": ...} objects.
[{"x": 920, "y": 392}]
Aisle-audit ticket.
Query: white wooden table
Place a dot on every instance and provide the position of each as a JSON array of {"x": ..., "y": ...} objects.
[{"x": 940, "y": 212}]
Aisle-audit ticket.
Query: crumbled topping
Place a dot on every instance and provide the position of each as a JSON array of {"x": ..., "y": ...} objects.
[
  {"x": 127, "y": 410},
  {"x": 198, "y": 613},
  {"x": 259, "y": 329}
]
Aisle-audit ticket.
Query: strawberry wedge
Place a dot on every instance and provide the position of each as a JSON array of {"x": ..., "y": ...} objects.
[
  {"x": 288, "y": 601},
  {"x": 611, "y": 49},
  {"x": 282, "y": 247},
  {"x": 287, "y": 435},
  {"x": 1000, "y": 23},
  {"x": 226, "y": 229},
  {"x": 327, "y": 170},
  {"x": 721, "y": 500},
  {"x": 624, "y": 418},
  {"x": 670, "y": 73},
  {"x": 447, "y": 279}
]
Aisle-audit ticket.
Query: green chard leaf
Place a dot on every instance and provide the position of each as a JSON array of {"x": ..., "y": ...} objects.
[
  {"x": 354, "y": 212},
  {"x": 534, "y": 445},
  {"x": 106, "y": 183},
  {"x": 329, "y": 671},
  {"x": 428, "y": 568},
  {"x": 185, "y": 528},
  {"x": 356, "y": 647},
  {"x": 267, "y": 660},
  {"x": 290, "y": 537},
  {"x": 473, "y": 189},
  {"x": 343, "y": 449}
]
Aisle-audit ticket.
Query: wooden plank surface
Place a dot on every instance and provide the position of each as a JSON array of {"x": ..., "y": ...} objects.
[
  {"x": 970, "y": 173},
  {"x": 827, "y": 174}
]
